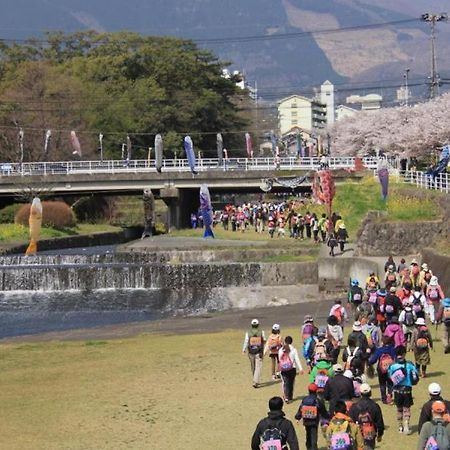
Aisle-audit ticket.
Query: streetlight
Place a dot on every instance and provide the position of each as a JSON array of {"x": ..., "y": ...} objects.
[{"x": 432, "y": 19}]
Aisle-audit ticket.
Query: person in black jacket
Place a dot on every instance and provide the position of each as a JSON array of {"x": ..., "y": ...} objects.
[
  {"x": 275, "y": 420},
  {"x": 426, "y": 415},
  {"x": 338, "y": 388},
  {"x": 367, "y": 414},
  {"x": 313, "y": 411},
  {"x": 392, "y": 305}
]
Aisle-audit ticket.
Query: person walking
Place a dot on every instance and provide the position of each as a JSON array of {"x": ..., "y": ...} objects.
[
  {"x": 384, "y": 357},
  {"x": 443, "y": 317},
  {"x": 254, "y": 346},
  {"x": 434, "y": 295},
  {"x": 435, "y": 434},
  {"x": 342, "y": 236},
  {"x": 273, "y": 345},
  {"x": 332, "y": 243},
  {"x": 338, "y": 388},
  {"x": 367, "y": 414},
  {"x": 434, "y": 389},
  {"x": 404, "y": 376},
  {"x": 313, "y": 412},
  {"x": 421, "y": 342},
  {"x": 290, "y": 367},
  {"x": 355, "y": 296},
  {"x": 275, "y": 431},
  {"x": 342, "y": 432}
]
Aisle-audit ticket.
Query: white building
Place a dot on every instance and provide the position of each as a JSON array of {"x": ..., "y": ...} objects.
[
  {"x": 297, "y": 111},
  {"x": 327, "y": 98},
  {"x": 369, "y": 102},
  {"x": 343, "y": 111}
]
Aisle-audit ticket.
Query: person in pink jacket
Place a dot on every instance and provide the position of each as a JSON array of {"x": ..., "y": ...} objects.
[{"x": 395, "y": 331}]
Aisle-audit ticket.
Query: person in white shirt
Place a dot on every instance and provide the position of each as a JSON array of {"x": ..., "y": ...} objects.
[{"x": 290, "y": 366}]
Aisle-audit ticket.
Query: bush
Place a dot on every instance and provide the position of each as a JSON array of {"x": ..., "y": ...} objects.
[
  {"x": 54, "y": 214},
  {"x": 8, "y": 213}
]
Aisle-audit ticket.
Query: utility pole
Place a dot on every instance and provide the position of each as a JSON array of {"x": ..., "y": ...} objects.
[
  {"x": 432, "y": 19},
  {"x": 406, "y": 75}
]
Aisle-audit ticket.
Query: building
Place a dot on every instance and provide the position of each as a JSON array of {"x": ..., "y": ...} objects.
[
  {"x": 327, "y": 98},
  {"x": 343, "y": 111},
  {"x": 297, "y": 111},
  {"x": 369, "y": 102}
]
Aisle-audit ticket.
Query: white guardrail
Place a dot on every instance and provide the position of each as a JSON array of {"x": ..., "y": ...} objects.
[
  {"x": 440, "y": 182},
  {"x": 173, "y": 165}
]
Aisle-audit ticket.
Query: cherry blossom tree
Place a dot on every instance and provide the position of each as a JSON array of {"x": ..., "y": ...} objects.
[{"x": 407, "y": 131}]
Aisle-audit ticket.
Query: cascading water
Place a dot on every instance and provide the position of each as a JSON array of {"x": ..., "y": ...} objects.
[{"x": 136, "y": 286}]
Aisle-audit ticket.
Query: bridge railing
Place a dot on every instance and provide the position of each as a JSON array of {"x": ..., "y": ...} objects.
[{"x": 174, "y": 165}]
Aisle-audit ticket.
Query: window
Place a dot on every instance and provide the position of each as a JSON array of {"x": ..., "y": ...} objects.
[
  {"x": 294, "y": 113},
  {"x": 294, "y": 121},
  {"x": 293, "y": 105}
]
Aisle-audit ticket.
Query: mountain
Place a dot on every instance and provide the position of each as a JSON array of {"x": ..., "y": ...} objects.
[{"x": 278, "y": 64}]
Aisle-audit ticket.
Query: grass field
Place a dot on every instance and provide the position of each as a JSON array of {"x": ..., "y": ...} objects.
[
  {"x": 15, "y": 233},
  {"x": 151, "y": 392}
]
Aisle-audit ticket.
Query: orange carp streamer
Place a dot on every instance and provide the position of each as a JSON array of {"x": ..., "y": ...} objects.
[{"x": 35, "y": 222}]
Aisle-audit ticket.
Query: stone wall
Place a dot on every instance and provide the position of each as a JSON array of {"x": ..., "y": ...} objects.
[
  {"x": 379, "y": 237},
  {"x": 440, "y": 264}
]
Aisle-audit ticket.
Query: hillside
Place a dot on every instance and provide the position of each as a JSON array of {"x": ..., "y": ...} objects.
[{"x": 379, "y": 53}]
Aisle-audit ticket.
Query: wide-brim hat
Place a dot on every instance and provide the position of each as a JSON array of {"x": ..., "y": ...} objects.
[
  {"x": 357, "y": 326},
  {"x": 255, "y": 322},
  {"x": 420, "y": 321},
  {"x": 434, "y": 281}
]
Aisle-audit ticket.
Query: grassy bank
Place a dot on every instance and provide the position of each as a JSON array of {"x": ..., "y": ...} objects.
[
  {"x": 10, "y": 233},
  {"x": 353, "y": 200},
  {"x": 152, "y": 391}
]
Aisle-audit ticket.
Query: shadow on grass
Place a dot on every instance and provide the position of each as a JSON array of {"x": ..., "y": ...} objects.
[
  {"x": 434, "y": 374},
  {"x": 269, "y": 383}
]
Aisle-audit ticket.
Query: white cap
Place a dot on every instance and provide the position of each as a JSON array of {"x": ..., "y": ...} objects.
[
  {"x": 434, "y": 389},
  {"x": 348, "y": 374},
  {"x": 275, "y": 327},
  {"x": 434, "y": 281},
  {"x": 365, "y": 388},
  {"x": 338, "y": 368},
  {"x": 420, "y": 321},
  {"x": 255, "y": 322}
]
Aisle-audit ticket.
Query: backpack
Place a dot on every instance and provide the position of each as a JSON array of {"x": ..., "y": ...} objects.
[
  {"x": 372, "y": 297},
  {"x": 409, "y": 318},
  {"x": 336, "y": 311},
  {"x": 446, "y": 315},
  {"x": 433, "y": 294},
  {"x": 255, "y": 342},
  {"x": 272, "y": 438},
  {"x": 417, "y": 304},
  {"x": 366, "y": 426},
  {"x": 274, "y": 343},
  {"x": 356, "y": 295},
  {"x": 307, "y": 331},
  {"x": 388, "y": 308},
  {"x": 320, "y": 350},
  {"x": 285, "y": 362},
  {"x": 391, "y": 277},
  {"x": 422, "y": 338},
  {"x": 350, "y": 357},
  {"x": 321, "y": 379},
  {"x": 385, "y": 362},
  {"x": 309, "y": 409},
  {"x": 398, "y": 375},
  {"x": 438, "y": 439},
  {"x": 341, "y": 437}
]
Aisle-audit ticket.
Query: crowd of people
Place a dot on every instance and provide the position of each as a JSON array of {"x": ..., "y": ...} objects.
[
  {"x": 280, "y": 219},
  {"x": 390, "y": 338}
]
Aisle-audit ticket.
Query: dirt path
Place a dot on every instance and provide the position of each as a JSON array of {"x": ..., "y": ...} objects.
[{"x": 287, "y": 316}]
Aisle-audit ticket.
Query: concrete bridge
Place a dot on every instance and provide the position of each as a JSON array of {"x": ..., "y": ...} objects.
[{"x": 176, "y": 185}]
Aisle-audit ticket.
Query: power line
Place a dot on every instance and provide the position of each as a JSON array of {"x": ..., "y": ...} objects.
[{"x": 233, "y": 39}]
